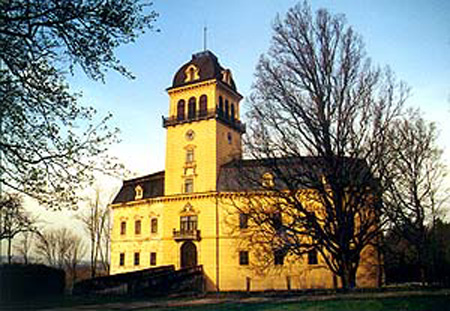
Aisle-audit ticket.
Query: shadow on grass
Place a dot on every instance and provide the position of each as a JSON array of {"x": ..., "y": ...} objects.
[{"x": 412, "y": 303}]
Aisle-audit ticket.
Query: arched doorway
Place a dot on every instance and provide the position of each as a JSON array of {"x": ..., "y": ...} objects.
[{"x": 188, "y": 255}]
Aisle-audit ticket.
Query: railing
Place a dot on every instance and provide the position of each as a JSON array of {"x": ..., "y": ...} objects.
[
  {"x": 184, "y": 235},
  {"x": 204, "y": 115}
]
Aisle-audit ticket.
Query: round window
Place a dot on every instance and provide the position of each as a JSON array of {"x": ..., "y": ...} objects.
[{"x": 190, "y": 135}]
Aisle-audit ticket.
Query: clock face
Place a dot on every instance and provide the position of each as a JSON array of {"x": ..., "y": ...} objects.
[{"x": 190, "y": 135}]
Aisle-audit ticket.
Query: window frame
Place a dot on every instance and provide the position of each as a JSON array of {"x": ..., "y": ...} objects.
[
  {"x": 154, "y": 225},
  {"x": 123, "y": 227},
  {"x": 227, "y": 109},
  {"x": 188, "y": 223},
  {"x": 313, "y": 258},
  {"x": 244, "y": 258},
  {"x": 221, "y": 106},
  {"x": 190, "y": 155},
  {"x": 203, "y": 105},
  {"x": 243, "y": 220},
  {"x": 188, "y": 183},
  {"x": 137, "y": 227},
  {"x": 278, "y": 257},
  {"x": 152, "y": 258},
  {"x": 137, "y": 258},
  {"x": 277, "y": 220},
  {"x": 192, "y": 108},
  {"x": 181, "y": 107}
]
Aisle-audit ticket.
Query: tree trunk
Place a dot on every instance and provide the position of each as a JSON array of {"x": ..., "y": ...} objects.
[
  {"x": 9, "y": 250},
  {"x": 348, "y": 277}
]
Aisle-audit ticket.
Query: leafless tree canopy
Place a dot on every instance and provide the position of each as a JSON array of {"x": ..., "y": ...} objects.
[
  {"x": 97, "y": 223},
  {"x": 14, "y": 220},
  {"x": 317, "y": 96},
  {"x": 24, "y": 248},
  {"x": 61, "y": 248},
  {"x": 416, "y": 192}
]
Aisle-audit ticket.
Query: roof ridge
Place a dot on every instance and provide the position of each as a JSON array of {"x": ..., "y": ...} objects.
[{"x": 145, "y": 176}]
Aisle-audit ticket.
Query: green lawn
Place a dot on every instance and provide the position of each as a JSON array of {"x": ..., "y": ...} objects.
[{"x": 422, "y": 303}]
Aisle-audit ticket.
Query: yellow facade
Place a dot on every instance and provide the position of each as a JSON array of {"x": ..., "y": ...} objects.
[{"x": 183, "y": 216}]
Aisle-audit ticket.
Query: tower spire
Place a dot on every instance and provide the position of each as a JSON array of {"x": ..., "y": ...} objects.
[{"x": 205, "y": 29}]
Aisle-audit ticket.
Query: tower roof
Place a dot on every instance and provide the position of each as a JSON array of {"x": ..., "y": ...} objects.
[{"x": 208, "y": 68}]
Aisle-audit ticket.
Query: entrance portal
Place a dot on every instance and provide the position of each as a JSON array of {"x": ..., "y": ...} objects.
[{"x": 188, "y": 255}]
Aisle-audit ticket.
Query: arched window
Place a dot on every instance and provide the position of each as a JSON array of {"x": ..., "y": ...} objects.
[
  {"x": 191, "y": 108},
  {"x": 191, "y": 73},
  {"x": 227, "y": 109},
  {"x": 232, "y": 112},
  {"x": 180, "y": 110},
  {"x": 203, "y": 105},
  {"x": 220, "y": 106}
]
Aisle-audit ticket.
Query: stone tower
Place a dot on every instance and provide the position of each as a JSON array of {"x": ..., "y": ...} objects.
[{"x": 203, "y": 127}]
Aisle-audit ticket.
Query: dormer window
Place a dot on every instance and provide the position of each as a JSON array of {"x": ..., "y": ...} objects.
[
  {"x": 191, "y": 73},
  {"x": 138, "y": 192},
  {"x": 226, "y": 76},
  {"x": 267, "y": 180}
]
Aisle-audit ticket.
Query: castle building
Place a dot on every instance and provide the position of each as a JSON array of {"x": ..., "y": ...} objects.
[{"x": 179, "y": 216}]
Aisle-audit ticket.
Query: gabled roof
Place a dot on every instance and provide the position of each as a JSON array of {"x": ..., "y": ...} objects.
[
  {"x": 209, "y": 68},
  {"x": 152, "y": 186}
]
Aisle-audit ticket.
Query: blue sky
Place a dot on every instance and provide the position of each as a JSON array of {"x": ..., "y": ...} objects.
[{"x": 412, "y": 37}]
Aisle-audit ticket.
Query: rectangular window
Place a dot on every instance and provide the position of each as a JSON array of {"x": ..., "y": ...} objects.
[
  {"x": 188, "y": 224},
  {"x": 312, "y": 257},
  {"x": 137, "y": 227},
  {"x": 122, "y": 259},
  {"x": 190, "y": 156},
  {"x": 152, "y": 259},
  {"x": 188, "y": 185},
  {"x": 243, "y": 221},
  {"x": 136, "y": 259},
  {"x": 154, "y": 226},
  {"x": 123, "y": 227},
  {"x": 243, "y": 258},
  {"x": 277, "y": 221},
  {"x": 278, "y": 257}
]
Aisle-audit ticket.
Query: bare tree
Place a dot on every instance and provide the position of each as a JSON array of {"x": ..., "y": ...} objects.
[
  {"x": 416, "y": 192},
  {"x": 105, "y": 254},
  {"x": 61, "y": 248},
  {"x": 15, "y": 220},
  {"x": 318, "y": 118},
  {"x": 97, "y": 223},
  {"x": 46, "y": 247},
  {"x": 74, "y": 255},
  {"x": 25, "y": 246}
]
